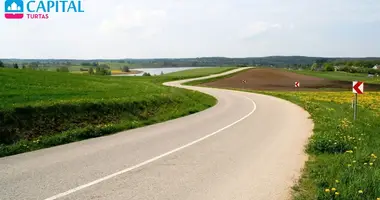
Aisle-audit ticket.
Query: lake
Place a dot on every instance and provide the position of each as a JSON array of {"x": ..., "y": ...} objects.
[{"x": 157, "y": 71}]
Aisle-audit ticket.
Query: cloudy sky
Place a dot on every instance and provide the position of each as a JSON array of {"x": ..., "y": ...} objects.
[{"x": 197, "y": 28}]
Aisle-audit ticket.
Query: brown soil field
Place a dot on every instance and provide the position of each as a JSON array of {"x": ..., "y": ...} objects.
[{"x": 279, "y": 80}]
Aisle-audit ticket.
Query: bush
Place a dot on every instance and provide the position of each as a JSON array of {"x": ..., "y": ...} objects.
[
  {"x": 329, "y": 68},
  {"x": 63, "y": 69},
  {"x": 146, "y": 74},
  {"x": 84, "y": 69},
  {"x": 125, "y": 69},
  {"x": 102, "y": 71}
]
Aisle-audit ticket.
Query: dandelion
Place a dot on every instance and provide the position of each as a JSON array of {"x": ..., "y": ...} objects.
[
  {"x": 349, "y": 165},
  {"x": 327, "y": 190},
  {"x": 373, "y": 156},
  {"x": 349, "y": 151},
  {"x": 333, "y": 189},
  {"x": 354, "y": 161},
  {"x": 336, "y": 193},
  {"x": 370, "y": 164},
  {"x": 337, "y": 181},
  {"x": 365, "y": 163},
  {"x": 360, "y": 191}
]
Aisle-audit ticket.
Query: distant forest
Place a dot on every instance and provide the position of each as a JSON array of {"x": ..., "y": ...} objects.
[{"x": 273, "y": 61}]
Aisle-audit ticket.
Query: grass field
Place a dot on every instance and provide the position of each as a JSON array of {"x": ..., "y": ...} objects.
[
  {"x": 199, "y": 72},
  {"x": 343, "y": 153},
  {"x": 41, "y": 109},
  {"x": 343, "y": 76},
  {"x": 197, "y": 82}
]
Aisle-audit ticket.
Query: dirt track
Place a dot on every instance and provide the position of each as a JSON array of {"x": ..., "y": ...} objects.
[{"x": 274, "y": 79}]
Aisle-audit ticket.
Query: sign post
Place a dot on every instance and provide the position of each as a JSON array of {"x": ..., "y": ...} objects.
[
  {"x": 357, "y": 88},
  {"x": 296, "y": 85}
]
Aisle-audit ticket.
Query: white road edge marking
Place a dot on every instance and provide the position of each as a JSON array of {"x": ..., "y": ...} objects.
[{"x": 152, "y": 159}]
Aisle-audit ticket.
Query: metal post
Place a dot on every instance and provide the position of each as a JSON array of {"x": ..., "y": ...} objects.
[{"x": 356, "y": 106}]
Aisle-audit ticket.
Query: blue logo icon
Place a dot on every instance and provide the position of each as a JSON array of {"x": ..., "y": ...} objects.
[{"x": 14, "y": 9}]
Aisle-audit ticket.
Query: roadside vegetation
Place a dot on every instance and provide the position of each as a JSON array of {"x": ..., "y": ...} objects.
[
  {"x": 41, "y": 109},
  {"x": 343, "y": 153}
]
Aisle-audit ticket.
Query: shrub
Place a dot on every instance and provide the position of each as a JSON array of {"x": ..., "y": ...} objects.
[{"x": 63, "y": 69}]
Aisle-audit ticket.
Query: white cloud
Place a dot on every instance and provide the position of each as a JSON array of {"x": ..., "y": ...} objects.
[
  {"x": 257, "y": 28},
  {"x": 191, "y": 28},
  {"x": 144, "y": 22}
]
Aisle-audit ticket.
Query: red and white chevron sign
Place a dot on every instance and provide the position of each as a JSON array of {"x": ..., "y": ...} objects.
[
  {"x": 357, "y": 87},
  {"x": 297, "y": 84}
]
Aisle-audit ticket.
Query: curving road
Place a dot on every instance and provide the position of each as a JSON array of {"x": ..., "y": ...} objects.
[{"x": 248, "y": 146}]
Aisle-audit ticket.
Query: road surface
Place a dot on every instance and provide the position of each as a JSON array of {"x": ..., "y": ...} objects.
[{"x": 248, "y": 146}]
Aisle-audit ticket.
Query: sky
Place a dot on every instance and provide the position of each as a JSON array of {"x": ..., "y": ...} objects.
[{"x": 116, "y": 29}]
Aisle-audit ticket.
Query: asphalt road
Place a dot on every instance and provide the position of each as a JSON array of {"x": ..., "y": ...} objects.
[{"x": 248, "y": 146}]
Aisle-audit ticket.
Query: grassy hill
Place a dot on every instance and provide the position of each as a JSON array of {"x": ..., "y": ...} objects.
[{"x": 41, "y": 109}]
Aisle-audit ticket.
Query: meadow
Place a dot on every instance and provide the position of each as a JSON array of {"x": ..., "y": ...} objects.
[
  {"x": 41, "y": 109},
  {"x": 343, "y": 152}
]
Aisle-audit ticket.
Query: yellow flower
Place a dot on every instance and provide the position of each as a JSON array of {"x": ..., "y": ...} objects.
[
  {"x": 327, "y": 190},
  {"x": 349, "y": 151},
  {"x": 337, "y": 181},
  {"x": 360, "y": 191},
  {"x": 378, "y": 198},
  {"x": 371, "y": 164},
  {"x": 373, "y": 155},
  {"x": 349, "y": 165},
  {"x": 336, "y": 193},
  {"x": 365, "y": 163},
  {"x": 333, "y": 189},
  {"x": 354, "y": 161}
]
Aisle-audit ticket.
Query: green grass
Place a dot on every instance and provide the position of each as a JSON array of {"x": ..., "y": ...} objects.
[
  {"x": 209, "y": 80},
  {"x": 343, "y": 76},
  {"x": 41, "y": 109},
  {"x": 200, "y": 72},
  {"x": 335, "y": 136}
]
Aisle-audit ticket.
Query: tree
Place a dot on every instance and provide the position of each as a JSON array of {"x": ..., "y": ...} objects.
[
  {"x": 63, "y": 69},
  {"x": 328, "y": 67},
  {"x": 91, "y": 71},
  {"x": 146, "y": 74},
  {"x": 33, "y": 65},
  {"x": 15, "y": 65},
  {"x": 104, "y": 66},
  {"x": 1, "y": 64},
  {"x": 86, "y": 64},
  {"x": 23, "y": 66},
  {"x": 102, "y": 71},
  {"x": 125, "y": 69},
  {"x": 314, "y": 66}
]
